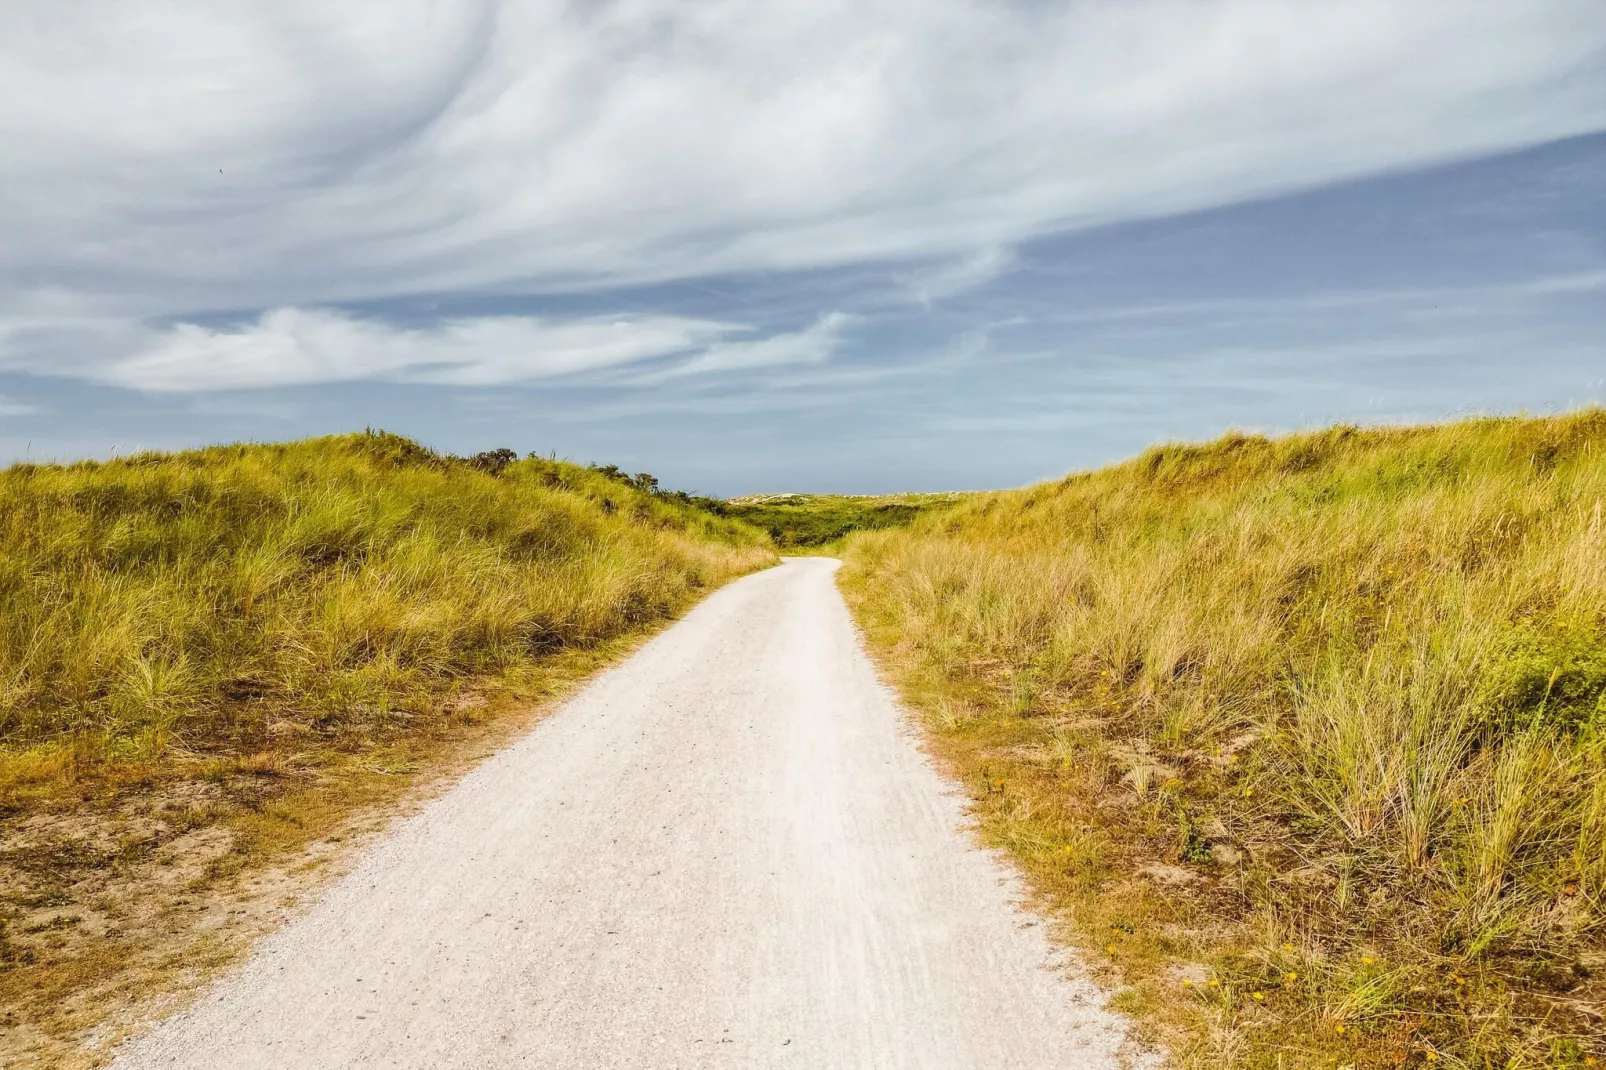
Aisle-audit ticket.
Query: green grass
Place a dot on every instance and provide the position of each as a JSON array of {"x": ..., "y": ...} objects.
[
  {"x": 329, "y": 586},
  {"x": 816, "y": 521},
  {"x": 1305, "y": 737},
  {"x": 220, "y": 654}
]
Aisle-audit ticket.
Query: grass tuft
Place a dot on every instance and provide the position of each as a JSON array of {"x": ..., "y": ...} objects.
[{"x": 1330, "y": 710}]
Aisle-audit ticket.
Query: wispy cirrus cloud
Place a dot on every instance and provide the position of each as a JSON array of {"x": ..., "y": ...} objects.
[
  {"x": 9, "y": 407},
  {"x": 309, "y": 346},
  {"x": 857, "y": 213},
  {"x": 294, "y": 346},
  {"x": 206, "y": 155},
  {"x": 812, "y": 345},
  {"x": 945, "y": 278}
]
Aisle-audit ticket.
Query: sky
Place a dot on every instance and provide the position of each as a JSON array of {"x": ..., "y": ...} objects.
[{"x": 794, "y": 245}]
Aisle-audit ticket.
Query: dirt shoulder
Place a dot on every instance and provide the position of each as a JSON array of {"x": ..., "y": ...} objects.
[{"x": 120, "y": 902}]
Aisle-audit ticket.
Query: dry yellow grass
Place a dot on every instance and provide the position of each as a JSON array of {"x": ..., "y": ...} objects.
[
  {"x": 1305, "y": 737},
  {"x": 210, "y": 661}
]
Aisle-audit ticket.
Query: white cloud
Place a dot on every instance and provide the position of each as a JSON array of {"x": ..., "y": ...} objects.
[
  {"x": 170, "y": 158},
  {"x": 16, "y": 408},
  {"x": 949, "y": 277},
  {"x": 812, "y": 345},
  {"x": 1483, "y": 299},
  {"x": 1578, "y": 283},
  {"x": 301, "y": 346},
  {"x": 292, "y": 346}
]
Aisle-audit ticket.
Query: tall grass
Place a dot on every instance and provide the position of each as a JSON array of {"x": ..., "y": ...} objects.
[
  {"x": 222, "y": 599},
  {"x": 213, "y": 662},
  {"x": 812, "y": 521},
  {"x": 1330, "y": 710}
]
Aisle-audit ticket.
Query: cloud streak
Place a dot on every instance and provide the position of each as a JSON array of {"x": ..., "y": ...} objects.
[
  {"x": 292, "y": 346},
  {"x": 16, "y": 408},
  {"x": 228, "y": 154},
  {"x": 946, "y": 278},
  {"x": 311, "y": 346},
  {"x": 812, "y": 345}
]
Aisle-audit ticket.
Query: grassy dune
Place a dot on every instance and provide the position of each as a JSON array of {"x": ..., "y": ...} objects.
[
  {"x": 1306, "y": 737},
  {"x": 211, "y": 654},
  {"x": 813, "y": 521}
]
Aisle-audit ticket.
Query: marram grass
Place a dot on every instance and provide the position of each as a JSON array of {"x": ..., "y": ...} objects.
[
  {"x": 1307, "y": 736},
  {"x": 213, "y": 664},
  {"x": 812, "y": 523},
  {"x": 220, "y": 599}
]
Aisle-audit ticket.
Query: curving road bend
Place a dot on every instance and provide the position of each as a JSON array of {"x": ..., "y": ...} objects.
[{"x": 727, "y": 851}]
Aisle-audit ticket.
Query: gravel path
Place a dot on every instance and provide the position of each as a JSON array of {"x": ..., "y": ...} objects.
[{"x": 726, "y": 852}]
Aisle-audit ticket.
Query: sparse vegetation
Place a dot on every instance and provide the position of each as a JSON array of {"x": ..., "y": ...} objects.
[
  {"x": 813, "y": 521},
  {"x": 207, "y": 657},
  {"x": 1305, "y": 737}
]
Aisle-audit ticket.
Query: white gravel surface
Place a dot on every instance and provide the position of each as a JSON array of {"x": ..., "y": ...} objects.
[{"x": 727, "y": 851}]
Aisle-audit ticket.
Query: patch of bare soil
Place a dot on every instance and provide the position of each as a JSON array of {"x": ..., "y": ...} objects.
[{"x": 118, "y": 903}]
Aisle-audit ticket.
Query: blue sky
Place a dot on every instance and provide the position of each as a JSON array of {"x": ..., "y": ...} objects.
[{"x": 795, "y": 247}]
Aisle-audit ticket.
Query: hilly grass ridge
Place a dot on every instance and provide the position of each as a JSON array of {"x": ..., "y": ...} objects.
[
  {"x": 816, "y": 521},
  {"x": 1304, "y": 737},
  {"x": 209, "y": 657}
]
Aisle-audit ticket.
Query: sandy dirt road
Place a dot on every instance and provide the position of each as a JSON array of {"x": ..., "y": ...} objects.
[{"x": 726, "y": 852}]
